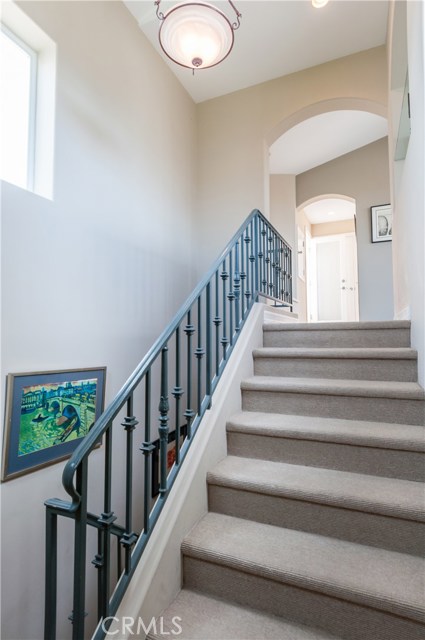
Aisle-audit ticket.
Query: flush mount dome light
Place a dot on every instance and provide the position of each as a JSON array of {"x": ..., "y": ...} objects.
[{"x": 195, "y": 34}]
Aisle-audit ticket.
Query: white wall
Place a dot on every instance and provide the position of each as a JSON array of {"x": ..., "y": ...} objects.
[
  {"x": 407, "y": 26},
  {"x": 91, "y": 277},
  {"x": 236, "y": 130},
  {"x": 363, "y": 175}
]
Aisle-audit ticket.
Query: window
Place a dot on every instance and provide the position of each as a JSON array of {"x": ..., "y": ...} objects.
[
  {"x": 27, "y": 103},
  {"x": 17, "y": 109}
]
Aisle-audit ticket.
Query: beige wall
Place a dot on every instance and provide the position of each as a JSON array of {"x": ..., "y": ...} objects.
[
  {"x": 332, "y": 228},
  {"x": 236, "y": 130},
  {"x": 80, "y": 273},
  {"x": 283, "y": 206},
  {"x": 406, "y": 50},
  {"x": 364, "y": 176}
]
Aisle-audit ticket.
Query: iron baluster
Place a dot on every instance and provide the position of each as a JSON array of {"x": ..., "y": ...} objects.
[
  {"x": 247, "y": 241},
  {"x": 285, "y": 272},
  {"x": 106, "y": 520},
  {"x": 243, "y": 276},
  {"x": 217, "y": 323},
  {"x": 208, "y": 363},
  {"x": 80, "y": 544},
  {"x": 264, "y": 280},
  {"x": 224, "y": 339},
  {"x": 177, "y": 394},
  {"x": 163, "y": 408},
  {"x": 147, "y": 448},
  {"x": 255, "y": 252},
  {"x": 199, "y": 353},
  {"x": 270, "y": 263},
  {"x": 189, "y": 413},
  {"x": 251, "y": 261},
  {"x": 130, "y": 537},
  {"x": 260, "y": 255},
  {"x": 119, "y": 559},
  {"x": 276, "y": 267},
  {"x": 237, "y": 287},
  {"x": 231, "y": 298},
  {"x": 290, "y": 276},
  {"x": 51, "y": 574}
]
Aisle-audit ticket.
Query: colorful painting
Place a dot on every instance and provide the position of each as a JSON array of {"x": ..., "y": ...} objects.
[{"x": 47, "y": 416}]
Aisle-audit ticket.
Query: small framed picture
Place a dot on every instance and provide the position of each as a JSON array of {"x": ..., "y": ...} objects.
[
  {"x": 382, "y": 223},
  {"x": 47, "y": 415}
]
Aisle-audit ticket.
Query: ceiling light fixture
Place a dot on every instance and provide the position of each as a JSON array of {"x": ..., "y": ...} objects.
[
  {"x": 196, "y": 35},
  {"x": 318, "y": 4}
]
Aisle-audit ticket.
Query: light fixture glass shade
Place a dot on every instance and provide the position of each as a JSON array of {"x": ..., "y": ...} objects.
[
  {"x": 196, "y": 35},
  {"x": 318, "y": 4}
]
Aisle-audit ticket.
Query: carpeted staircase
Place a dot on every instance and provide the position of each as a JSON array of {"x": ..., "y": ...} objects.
[{"x": 316, "y": 518}]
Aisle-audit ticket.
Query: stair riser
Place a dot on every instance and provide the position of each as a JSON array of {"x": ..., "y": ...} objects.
[
  {"x": 388, "y": 463},
  {"x": 347, "y": 620},
  {"x": 373, "y": 338},
  {"x": 338, "y": 368},
  {"x": 375, "y": 530},
  {"x": 393, "y": 410}
]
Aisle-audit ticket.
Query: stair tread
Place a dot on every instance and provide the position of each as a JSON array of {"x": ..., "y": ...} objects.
[
  {"x": 404, "y": 437},
  {"x": 203, "y": 617},
  {"x": 385, "y": 496},
  {"x": 333, "y": 326},
  {"x": 385, "y": 353},
  {"x": 331, "y": 386},
  {"x": 385, "y": 580}
]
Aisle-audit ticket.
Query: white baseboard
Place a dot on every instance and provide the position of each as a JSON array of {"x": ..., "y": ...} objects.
[{"x": 403, "y": 314}]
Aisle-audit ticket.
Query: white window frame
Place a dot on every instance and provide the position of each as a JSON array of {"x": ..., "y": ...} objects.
[{"x": 32, "y": 107}]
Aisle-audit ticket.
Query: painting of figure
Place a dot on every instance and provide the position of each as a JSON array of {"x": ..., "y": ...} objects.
[{"x": 48, "y": 415}]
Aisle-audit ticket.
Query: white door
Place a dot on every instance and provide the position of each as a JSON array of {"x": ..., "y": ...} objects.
[{"x": 334, "y": 286}]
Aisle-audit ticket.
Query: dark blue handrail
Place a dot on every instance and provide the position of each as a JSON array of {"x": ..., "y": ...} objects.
[{"x": 256, "y": 262}]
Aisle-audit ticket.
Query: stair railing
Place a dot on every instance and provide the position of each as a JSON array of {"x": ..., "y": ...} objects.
[{"x": 186, "y": 362}]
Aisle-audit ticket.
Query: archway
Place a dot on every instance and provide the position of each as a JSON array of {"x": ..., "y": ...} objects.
[
  {"x": 327, "y": 274},
  {"x": 370, "y": 309}
]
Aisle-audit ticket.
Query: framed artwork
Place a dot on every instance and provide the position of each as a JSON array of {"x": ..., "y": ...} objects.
[
  {"x": 382, "y": 223},
  {"x": 47, "y": 415},
  {"x": 171, "y": 456}
]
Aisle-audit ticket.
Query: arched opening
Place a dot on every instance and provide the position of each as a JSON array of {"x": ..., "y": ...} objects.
[
  {"x": 327, "y": 259},
  {"x": 326, "y": 149}
]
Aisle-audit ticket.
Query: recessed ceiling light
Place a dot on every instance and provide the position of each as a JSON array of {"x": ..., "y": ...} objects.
[{"x": 331, "y": 213}]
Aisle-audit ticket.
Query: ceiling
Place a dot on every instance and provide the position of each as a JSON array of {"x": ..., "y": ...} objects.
[
  {"x": 330, "y": 210},
  {"x": 278, "y": 37},
  {"x": 323, "y": 138}
]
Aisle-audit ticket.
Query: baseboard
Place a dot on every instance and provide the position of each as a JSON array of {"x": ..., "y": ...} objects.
[{"x": 403, "y": 314}]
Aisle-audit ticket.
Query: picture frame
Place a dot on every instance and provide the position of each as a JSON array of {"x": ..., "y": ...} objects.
[
  {"x": 382, "y": 223},
  {"x": 47, "y": 415},
  {"x": 171, "y": 457}
]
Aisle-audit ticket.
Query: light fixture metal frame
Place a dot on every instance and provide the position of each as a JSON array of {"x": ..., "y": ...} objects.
[{"x": 233, "y": 27}]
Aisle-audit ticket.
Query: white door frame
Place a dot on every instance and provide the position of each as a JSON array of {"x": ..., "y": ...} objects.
[{"x": 311, "y": 289}]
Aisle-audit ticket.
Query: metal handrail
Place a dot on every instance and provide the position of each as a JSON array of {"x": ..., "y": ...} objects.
[{"x": 256, "y": 262}]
